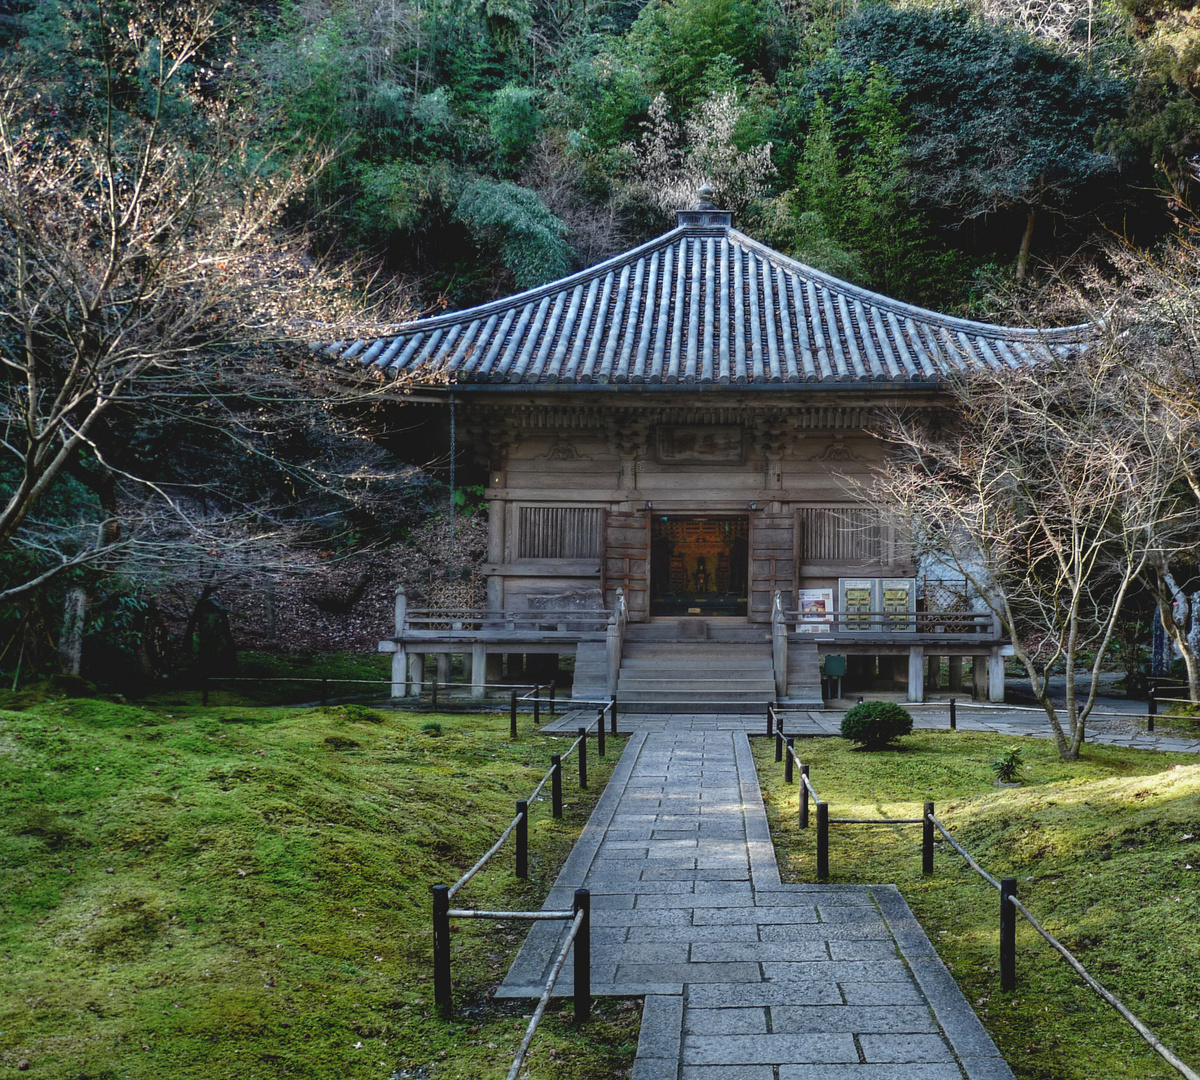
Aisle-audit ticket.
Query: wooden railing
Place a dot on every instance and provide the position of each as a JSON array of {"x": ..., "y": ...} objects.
[
  {"x": 866, "y": 623},
  {"x": 470, "y": 620}
]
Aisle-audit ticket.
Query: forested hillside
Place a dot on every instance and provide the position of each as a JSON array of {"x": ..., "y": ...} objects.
[
  {"x": 192, "y": 192},
  {"x": 926, "y": 150}
]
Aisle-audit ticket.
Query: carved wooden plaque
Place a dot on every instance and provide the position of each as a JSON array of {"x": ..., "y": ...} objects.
[{"x": 700, "y": 445}]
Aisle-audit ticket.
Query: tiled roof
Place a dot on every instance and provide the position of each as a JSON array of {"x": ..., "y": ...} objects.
[{"x": 702, "y": 304}]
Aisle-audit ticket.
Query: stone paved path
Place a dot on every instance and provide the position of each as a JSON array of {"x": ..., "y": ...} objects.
[{"x": 746, "y": 978}]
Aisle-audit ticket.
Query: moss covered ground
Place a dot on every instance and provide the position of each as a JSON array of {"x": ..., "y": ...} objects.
[
  {"x": 243, "y": 892},
  {"x": 1106, "y": 851}
]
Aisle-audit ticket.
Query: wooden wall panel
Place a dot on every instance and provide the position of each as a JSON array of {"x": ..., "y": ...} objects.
[
  {"x": 626, "y": 562},
  {"x": 772, "y": 561}
]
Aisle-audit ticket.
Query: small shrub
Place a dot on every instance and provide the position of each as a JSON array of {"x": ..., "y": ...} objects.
[
  {"x": 874, "y": 724},
  {"x": 360, "y": 714},
  {"x": 1007, "y": 765},
  {"x": 432, "y": 728}
]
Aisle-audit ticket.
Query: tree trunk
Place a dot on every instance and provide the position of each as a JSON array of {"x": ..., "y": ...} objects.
[
  {"x": 1177, "y": 610},
  {"x": 70, "y": 644},
  {"x": 1023, "y": 254}
]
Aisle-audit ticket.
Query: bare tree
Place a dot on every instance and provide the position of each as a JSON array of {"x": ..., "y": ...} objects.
[
  {"x": 1153, "y": 334},
  {"x": 147, "y": 284},
  {"x": 673, "y": 161},
  {"x": 1039, "y": 492},
  {"x": 143, "y": 272}
]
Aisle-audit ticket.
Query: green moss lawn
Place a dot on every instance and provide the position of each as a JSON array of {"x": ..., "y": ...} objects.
[
  {"x": 1107, "y": 854},
  {"x": 243, "y": 892}
]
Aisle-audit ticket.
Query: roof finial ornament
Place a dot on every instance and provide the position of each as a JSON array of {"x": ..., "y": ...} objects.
[{"x": 705, "y": 191}]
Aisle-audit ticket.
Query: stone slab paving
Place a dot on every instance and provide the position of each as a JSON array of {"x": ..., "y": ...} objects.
[{"x": 745, "y": 978}]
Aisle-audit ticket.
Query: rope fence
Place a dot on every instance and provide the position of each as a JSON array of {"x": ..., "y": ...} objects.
[
  {"x": 774, "y": 712},
  {"x": 578, "y": 937},
  {"x": 1007, "y": 887},
  {"x": 519, "y": 827}
]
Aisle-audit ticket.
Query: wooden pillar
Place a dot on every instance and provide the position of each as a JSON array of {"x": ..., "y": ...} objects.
[
  {"x": 956, "y": 673},
  {"x": 416, "y": 672},
  {"x": 494, "y": 668},
  {"x": 495, "y": 583},
  {"x": 444, "y": 661},
  {"x": 916, "y": 673},
  {"x": 934, "y": 678},
  {"x": 995, "y": 680},
  {"x": 979, "y": 677},
  {"x": 479, "y": 666},
  {"x": 400, "y": 672}
]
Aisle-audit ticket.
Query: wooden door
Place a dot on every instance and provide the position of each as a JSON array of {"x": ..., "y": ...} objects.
[
  {"x": 626, "y": 562},
  {"x": 772, "y": 562}
]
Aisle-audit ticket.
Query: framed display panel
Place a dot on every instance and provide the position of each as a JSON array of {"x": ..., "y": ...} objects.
[
  {"x": 857, "y": 599},
  {"x": 816, "y": 611},
  {"x": 898, "y": 602}
]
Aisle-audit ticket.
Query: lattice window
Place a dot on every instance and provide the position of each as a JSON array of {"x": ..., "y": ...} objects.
[
  {"x": 843, "y": 535},
  {"x": 559, "y": 532}
]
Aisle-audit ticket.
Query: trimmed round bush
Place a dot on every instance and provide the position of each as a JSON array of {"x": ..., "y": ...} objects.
[{"x": 874, "y": 724}]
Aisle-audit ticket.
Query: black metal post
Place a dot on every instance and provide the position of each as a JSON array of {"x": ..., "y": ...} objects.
[
  {"x": 324, "y": 690},
  {"x": 552, "y": 708},
  {"x": 803, "y": 797},
  {"x": 822, "y": 841},
  {"x": 522, "y": 838},
  {"x": 204, "y": 688},
  {"x": 583, "y": 957},
  {"x": 1151, "y": 708},
  {"x": 441, "y": 949},
  {"x": 1008, "y": 935},
  {"x": 600, "y": 733},
  {"x": 953, "y": 715},
  {"x": 583, "y": 757},
  {"x": 433, "y": 692},
  {"x": 770, "y": 721},
  {"x": 512, "y": 716},
  {"x": 788, "y": 760},
  {"x": 927, "y": 841},
  {"x": 556, "y": 785},
  {"x": 779, "y": 743},
  {"x": 537, "y": 703},
  {"x": 613, "y": 703}
]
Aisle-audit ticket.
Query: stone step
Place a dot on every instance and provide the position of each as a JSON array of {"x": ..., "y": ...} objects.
[
  {"x": 748, "y": 704},
  {"x": 682, "y": 668},
  {"x": 756, "y": 686},
  {"x": 591, "y": 671},
  {"x": 725, "y": 655},
  {"x": 698, "y": 630}
]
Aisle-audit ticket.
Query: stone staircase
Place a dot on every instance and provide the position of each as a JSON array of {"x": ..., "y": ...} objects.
[
  {"x": 706, "y": 676},
  {"x": 697, "y": 665}
]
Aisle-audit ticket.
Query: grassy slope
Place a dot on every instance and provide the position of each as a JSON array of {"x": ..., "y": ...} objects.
[
  {"x": 1107, "y": 853},
  {"x": 245, "y": 893}
]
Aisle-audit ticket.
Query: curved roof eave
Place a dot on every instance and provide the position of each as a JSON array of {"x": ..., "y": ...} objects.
[{"x": 701, "y": 306}]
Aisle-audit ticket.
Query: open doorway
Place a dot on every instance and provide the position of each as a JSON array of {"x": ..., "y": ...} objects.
[{"x": 699, "y": 565}]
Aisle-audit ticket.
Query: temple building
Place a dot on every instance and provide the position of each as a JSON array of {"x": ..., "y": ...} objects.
[{"x": 679, "y": 441}]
